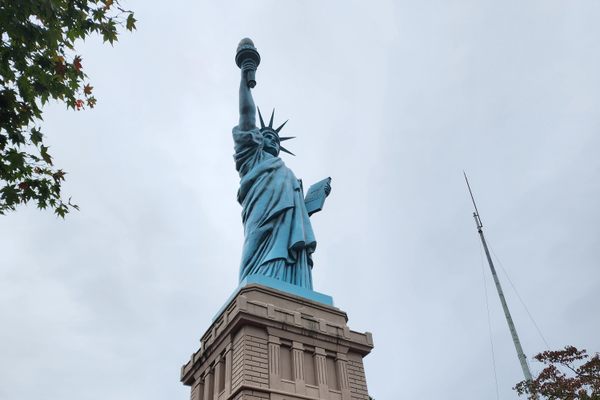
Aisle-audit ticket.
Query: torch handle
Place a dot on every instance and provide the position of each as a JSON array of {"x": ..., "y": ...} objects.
[
  {"x": 251, "y": 78},
  {"x": 249, "y": 66}
]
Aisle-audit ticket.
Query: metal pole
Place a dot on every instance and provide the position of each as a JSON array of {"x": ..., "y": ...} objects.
[{"x": 511, "y": 325}]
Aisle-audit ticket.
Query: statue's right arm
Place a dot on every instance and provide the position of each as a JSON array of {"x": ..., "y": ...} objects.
[{"x": 247, "y": 107}]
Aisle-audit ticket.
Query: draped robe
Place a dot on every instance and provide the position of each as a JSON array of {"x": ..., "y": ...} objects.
[{"x": 278, "y": 237}]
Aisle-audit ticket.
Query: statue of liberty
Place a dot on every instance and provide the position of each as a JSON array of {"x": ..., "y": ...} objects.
[{"x": 278, "y": 237}]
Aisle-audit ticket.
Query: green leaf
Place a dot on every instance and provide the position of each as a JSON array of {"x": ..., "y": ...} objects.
[
  {"x": 45, "y": 156},
  {"x": 109, "y": 31},
  {"x": 10, "y": 195},
  {"x": 16, "y": 137},
  {"x": 16, "y": 161},
  {"x": 61, "y": 210},
  {"x": 130, "y": 25},
  {"x": 36, "y": 136}
]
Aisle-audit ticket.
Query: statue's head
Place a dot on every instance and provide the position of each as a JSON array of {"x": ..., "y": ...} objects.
[
  {"x": 271, "y": 139},
  {"x": 271, "y": 143}
]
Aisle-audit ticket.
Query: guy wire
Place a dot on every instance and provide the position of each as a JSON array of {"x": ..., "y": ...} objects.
[{"x": 539, "y": 331}]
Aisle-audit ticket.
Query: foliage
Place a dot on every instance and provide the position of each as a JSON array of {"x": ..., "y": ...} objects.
[
  {"x": 38, "y": 62},
  {"x": 569, "y": 374}
]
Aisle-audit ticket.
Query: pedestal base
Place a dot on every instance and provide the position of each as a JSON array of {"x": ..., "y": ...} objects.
[{"x": 270, "y": 344}]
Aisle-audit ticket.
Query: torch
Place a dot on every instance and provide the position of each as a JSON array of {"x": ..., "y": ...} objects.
[{"x": 247, "y": 58}]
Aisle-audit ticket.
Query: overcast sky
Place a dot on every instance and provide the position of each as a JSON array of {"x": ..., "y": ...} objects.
[{"x": 391, "y": 99}]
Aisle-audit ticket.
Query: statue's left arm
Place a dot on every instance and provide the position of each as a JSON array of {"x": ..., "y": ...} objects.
[{"x": 317, "y": 193}]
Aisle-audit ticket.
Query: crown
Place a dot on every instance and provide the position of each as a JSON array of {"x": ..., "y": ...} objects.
[{"x": 275, "y": 132}]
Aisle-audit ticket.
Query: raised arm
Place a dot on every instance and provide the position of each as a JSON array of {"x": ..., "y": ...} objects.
[{"x": 247, "y": 107}]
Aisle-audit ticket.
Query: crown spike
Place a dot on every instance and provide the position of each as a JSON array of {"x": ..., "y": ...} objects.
[
  {"x": 271, "y": 121},
  {"x": 285, "y": 150},
  {"x": 282, "y": 125},
  {"x": 282, "y": 139},
  {"x": 262, "y": 123}
]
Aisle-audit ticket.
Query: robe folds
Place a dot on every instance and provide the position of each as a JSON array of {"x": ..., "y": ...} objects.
[{"x": 278, "y": 237}]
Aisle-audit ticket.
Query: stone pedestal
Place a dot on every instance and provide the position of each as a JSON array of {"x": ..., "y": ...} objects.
[{"x": 270, "y": 344}]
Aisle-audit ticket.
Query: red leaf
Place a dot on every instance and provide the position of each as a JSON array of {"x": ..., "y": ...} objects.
[{"x": 77, "y": 63}]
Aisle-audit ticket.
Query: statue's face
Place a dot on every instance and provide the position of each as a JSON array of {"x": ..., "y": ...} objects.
[{"x": 271, "y": 144}]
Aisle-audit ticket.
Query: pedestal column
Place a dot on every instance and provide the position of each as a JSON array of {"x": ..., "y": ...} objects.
[
  {"x": 217, "y": 378},
  {"x": 228, "y": 364},
  {"x": 274, "y": 361},
  {"x": 298, "y": 366},
  {"x": 321, "y": 369},
  {"x": 341, "y": 363},
  {"x": 208, "y": 385}
]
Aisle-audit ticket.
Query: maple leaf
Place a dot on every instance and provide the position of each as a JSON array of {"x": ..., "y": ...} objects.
[
  {"x": 87, "y": 89},
  {"x": 77, "y": 63},
  {"x": 59, "y": 175},
  {"x": 9, "y": 194},
  {"x": 45, "y": 155},
  {"x": 130, "y": 23},
  {"x": 91, "y": 102},
  {"x": 79, "y": 104},
  {"x": 60, "y": 68},
  {"x": 36, "y": 136}
]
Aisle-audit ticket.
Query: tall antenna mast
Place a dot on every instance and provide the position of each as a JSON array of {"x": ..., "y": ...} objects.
[{"x": 509, "y": 321}]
